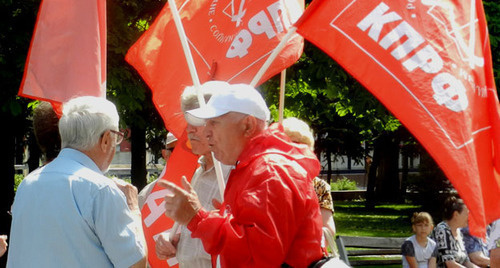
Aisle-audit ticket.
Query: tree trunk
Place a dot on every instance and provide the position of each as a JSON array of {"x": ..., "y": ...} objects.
[
  {"x": 404, "y": 175},
  {"x": 388, "y": 184},
  {"x": 329, "y": 165},
  {"x": 138, "y": 170},
  {"x": 372, "y": 174},
  {"x": 7, "y": 180}
]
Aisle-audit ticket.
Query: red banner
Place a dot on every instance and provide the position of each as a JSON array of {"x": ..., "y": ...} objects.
[
  {"x": 429, "y": 63},
  {"x": 229, "y": 40},
  {"x": 181, "y": 163},
  {"x": 67, "y": 55}
]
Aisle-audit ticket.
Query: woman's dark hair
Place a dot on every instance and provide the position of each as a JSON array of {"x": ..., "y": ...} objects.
[{"x": 452, "y": 204}]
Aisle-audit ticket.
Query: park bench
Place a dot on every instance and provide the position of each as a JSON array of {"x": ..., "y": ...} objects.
[{"x": 369, "y": 250}]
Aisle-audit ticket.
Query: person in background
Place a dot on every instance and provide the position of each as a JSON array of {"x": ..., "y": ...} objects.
[
  {"x": 300, "y": 132},
  {"x": 165, "y": 153},
  {"x": 451, "y": 249},
  {"x": 419, "y": 251},
  {"x": 46, "y": 129},
  {"x": 494, "y": 244},
  {"x": 67, "y": 213},
  {"x": 270, "y": 216},
  {"x": 3, "y": 244},
  {"x": 476, "y": 248},
  {"x": 189, "y": 251}
]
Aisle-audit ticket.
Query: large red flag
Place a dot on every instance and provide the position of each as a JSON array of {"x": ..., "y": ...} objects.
[
  {"x": 229, "y": 40},
  {"x": 67, "y": 55},
  {"x": 429, "y": 63}
]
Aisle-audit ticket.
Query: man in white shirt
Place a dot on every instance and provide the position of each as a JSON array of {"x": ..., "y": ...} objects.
[
  {"x": 67, "y": 213},
  {"x": 189, "y": 251}
]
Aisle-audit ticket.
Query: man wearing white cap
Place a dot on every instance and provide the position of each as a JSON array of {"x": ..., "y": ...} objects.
[
  {"x": 189, "y": 251},
  {"x": 270, "y": 215}
]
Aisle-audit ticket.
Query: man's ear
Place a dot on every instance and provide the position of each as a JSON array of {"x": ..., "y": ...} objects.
[
  {"x": 249, "y": 126},
  {"x": 106, "y": 141}
]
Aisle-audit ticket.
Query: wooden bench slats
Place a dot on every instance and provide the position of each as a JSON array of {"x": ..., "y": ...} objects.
[
  {"x": 373, "y": 242},
  {"x": 364, "y": 252},
  {"x": 374, "y": 262},
  {"x": 387, "y": 250}
]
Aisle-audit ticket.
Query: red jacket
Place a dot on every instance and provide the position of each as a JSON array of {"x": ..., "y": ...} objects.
[{"x": 270, "y": 213}]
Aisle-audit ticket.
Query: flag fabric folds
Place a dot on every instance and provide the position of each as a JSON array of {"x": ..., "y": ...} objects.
[
  {"x": 67, "y": 55},
  {"x": 229, "y": 41},
  {"x": 182, "y": 162},
  {"x": 429, "y": 62}
]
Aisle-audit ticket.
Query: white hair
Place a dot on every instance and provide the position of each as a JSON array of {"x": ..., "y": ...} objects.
[
  {"x": 298, "y": 131},
  {"x": 84, "y": 120},
  {"x": 189, "y": 97}
]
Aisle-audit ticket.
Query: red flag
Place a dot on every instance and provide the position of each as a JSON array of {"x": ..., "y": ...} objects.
[
  {"x": 429, "y": 63},
  {"x": 67, "y": 55},
  {"x": 181, "y": 163},
  {"x": 229, "y": 40}
]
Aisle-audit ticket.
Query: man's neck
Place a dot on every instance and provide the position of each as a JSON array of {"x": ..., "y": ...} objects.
[{"x": 209, "y": 161}]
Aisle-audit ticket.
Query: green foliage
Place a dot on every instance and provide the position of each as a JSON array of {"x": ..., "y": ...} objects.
[
  {"x": 340, "y": 111},
  {"x": 343, "y": 184},
  {"x": 18, "y": 178},
  {"x": 492, "y": 9}
]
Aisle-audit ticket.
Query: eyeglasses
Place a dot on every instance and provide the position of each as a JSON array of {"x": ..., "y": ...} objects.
[{"x": 119, "y": 136}]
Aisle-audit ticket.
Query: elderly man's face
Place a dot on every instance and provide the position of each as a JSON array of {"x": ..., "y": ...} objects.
[
  {"x": 225, "y": 137},
  {"x": 198, "y": 140}
]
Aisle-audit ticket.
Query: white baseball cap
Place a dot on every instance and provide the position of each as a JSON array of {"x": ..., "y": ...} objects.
[
  {"x": 239, "y": 98},
  {"x": 170, "y": 138}
]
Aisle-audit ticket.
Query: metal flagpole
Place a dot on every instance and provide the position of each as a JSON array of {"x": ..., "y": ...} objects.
[{"x": 273, "y": 56}]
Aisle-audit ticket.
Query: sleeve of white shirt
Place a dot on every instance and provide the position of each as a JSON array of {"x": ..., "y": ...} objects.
[{"x": 114, "y": 225}]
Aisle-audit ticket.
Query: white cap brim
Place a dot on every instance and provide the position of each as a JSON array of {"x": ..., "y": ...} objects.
[{"x": 199, "y": 116}]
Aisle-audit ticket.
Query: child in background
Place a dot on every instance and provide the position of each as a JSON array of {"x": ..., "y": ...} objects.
[{"x": 419, "y": 250}]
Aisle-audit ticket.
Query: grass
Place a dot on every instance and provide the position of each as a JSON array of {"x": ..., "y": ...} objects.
[{"x": 386, "y": 220}]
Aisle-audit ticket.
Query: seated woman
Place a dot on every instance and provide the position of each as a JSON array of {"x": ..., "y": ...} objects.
[
  {"x": 476, "y": 248},
  {"x": 451, "y": 249}
]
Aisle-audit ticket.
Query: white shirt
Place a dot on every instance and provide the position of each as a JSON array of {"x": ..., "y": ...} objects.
[
  {"x": 67, "y": 214},
  {"x": 190, "y": 251},
  {"x": 422, "y": 254}
]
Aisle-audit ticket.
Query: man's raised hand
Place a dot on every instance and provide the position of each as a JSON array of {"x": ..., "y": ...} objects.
[{"x": 180, "y": 204}]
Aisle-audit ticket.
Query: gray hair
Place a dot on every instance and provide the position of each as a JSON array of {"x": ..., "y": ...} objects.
[
  {"x": 189, "y": 98},
  {"x": 84, "y": 120}
]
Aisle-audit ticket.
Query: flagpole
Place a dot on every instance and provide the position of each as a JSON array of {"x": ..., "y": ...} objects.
[
  {"x": 201, "y": 99},
  {"x": 273, "y": 56},
  {"x": 282, "y": 95}
]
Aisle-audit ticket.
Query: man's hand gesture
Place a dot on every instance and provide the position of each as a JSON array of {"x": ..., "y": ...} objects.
[{"x": 181, "y": 204}]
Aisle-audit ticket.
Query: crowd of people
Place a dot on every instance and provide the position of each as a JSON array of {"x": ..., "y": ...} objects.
[
  {"x": 275, "y": 211},
  {"x": 449, "y": 243}
]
